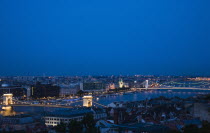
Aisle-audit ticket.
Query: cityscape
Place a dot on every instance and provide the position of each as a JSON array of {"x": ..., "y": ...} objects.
[
  {"x": 135, "y": 103},
  {"x": 114, "y": 66}
]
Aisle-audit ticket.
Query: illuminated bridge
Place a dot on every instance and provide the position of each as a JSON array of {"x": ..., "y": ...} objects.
[
  {"x": 178, "y": 88},
  {"x": 202, "y": 85},
  {"x": 87, "y": 101}
]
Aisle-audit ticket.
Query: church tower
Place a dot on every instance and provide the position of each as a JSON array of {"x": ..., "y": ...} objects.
[{"x": 121, "y": 83}]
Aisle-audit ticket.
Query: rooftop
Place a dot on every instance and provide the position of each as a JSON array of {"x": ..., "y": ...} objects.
[{"x": 72, "y": 112}]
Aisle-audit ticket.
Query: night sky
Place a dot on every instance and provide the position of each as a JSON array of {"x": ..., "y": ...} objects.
[{"x": 104, "y": 37}]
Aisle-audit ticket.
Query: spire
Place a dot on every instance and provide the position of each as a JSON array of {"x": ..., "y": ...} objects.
[{"x": 121, "y": 84}]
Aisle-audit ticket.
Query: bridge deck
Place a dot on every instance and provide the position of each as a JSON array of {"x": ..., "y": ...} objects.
[
  {"x": 42, "y": 105},
  {"x": 177, "y": 88}
]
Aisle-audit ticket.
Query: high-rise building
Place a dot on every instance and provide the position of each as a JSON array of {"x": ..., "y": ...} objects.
[
  {"x": 93, "y": 86},
  {"x": 70, "y": 89},
  {"x": 17, "y": 91},
  {"x": 44, "y": 90}
]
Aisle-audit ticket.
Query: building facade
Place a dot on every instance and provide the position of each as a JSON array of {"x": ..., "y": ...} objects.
[
  {"x": 17, "y": 91},
  {"x": 44, "y": 90},
  {"x": 71, "y": 89},
  {"x": 66, "y": 115},
  {"x": 92, "y": 87}
]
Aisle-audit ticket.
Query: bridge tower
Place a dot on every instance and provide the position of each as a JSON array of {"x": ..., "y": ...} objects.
[
  {"x": 87, "y": 101},
  {"x": 7, "y": 101},
  {"x": 146, "y": 84}
]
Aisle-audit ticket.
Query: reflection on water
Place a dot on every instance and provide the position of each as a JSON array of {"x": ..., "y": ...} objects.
[
  {"x": 150, "y": 94},
  {"x": 7, "y": 111}
]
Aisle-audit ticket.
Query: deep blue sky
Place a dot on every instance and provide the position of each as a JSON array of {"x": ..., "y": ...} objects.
[{"x": 73, "y": 37}]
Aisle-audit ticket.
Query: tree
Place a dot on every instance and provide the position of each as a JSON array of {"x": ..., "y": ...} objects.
[
  {"x": 80, "y": 92},
  {"x": 194, "y": 129},
  {"x": 75, "y": 126},
  {"x": 174, "y": 131},
  {"x": 61, "y": 128},
  {"x": 89, "y": 123}
]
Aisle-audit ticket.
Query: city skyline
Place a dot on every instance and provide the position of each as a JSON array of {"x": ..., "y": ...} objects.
[
  {"x": 104, "y": 37},
  {"x": 112, "y": 66}
]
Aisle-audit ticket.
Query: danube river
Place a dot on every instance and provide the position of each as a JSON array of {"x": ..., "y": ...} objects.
[
  {"x": 150, "y": 94},
  {"x": 131, "y": 96}
]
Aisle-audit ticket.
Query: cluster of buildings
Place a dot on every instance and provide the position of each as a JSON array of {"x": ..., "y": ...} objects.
[
  {"x": 200, "y": 79},
  {"x": 151, "y": 115},
  {"x": 169, "y": 114},
  {"x": 22, "y": 122},
  {"x": 47, "y": 86},
  {"x": 43, "y": 90},
  {"x": 66, "y": 115}
]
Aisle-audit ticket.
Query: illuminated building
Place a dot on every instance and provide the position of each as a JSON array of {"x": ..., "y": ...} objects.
[
  {"x": 200, "y": 79},
  {"x": 17, "y": 91},
  {"x": 121, "y": 83},
  {"x": 111, "y": 86},
  {"x": 66, "y": 115}
]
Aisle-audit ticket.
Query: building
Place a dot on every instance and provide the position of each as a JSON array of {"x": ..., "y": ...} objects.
[
  {"x": 201, "y": 111},
  {"x": 17, "y": 91},
  {"x": 66, "y": 115},
  {"x": 44, "y": 90},
  {"x": 21, "y": 122},
  {"x": 109, "y": 127},
  {"x": 121, "y": 83},
  {"x": 110, "y": 86},
  {"x": 200, "y": 79},
  {"x": 92, "y": 87},
  {"x": 71, "y": 89}
]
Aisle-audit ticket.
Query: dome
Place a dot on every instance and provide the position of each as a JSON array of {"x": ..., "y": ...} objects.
[{"x": 4, "y": 85}]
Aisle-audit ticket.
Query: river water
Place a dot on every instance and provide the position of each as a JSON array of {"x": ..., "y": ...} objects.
[{"x": 151, "y": 94}]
